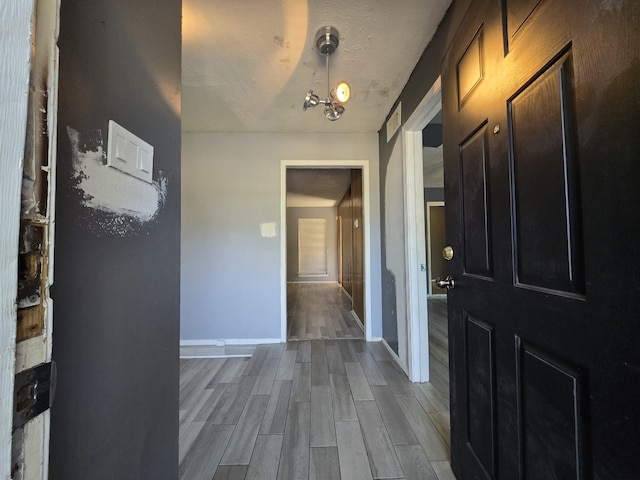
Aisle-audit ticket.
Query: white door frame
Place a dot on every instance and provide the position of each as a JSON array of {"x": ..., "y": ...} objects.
[
  {"x": 15, "y": 52},
  {"x": 429, "y": 265},
  {"x": 366, "y": 195},
  {"x": 25, "y": 24},
  {"x": 415, "y": 250}
]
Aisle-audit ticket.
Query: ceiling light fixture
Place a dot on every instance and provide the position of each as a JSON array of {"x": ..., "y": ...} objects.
[{"x": 327, "y": 40}]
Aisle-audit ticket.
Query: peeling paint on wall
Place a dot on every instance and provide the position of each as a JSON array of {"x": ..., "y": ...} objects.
[{"x": 126, "y": 202}]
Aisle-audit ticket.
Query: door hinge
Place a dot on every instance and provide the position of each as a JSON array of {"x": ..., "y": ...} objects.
[{"x": 34, "y": 390}]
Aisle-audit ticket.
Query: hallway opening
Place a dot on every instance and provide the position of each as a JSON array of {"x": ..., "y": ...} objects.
[
  {"x": 324, "y": 225},
  {"x": 424, "y": 187},
  {"x": 325, "y": 242},
  {"x": 433, "y": 183}
]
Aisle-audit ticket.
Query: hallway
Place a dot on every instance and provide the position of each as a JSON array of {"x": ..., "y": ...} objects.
[
  {"x": 310, "y": 409},
  {"x": 319, "y": 311}
]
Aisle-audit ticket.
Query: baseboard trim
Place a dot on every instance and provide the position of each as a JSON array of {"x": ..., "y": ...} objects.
[
  {"x": 228, "y": 341},
  {"x": 202, "y": 343},
  {"x": 334, "y": 282},
  {"x": 252, "y": 341},
  {"x": 222, "y": 348},
  {"x": 358, "y": 321},
  {"x": 344, "y": 290},
  {"x": 187, "y": 357},
  {"x": 395, "y": 356}
]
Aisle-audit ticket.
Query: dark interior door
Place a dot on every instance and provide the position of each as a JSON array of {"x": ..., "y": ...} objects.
[{"x": 542, "y": 167}]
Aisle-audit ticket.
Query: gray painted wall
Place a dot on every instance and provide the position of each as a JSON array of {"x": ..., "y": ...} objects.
[
  {"x": 116, "y": 291},
  {"x": 426, "y": 72},
  {"x": 393, "y": 237},
  {"x": 231, "y": 281},
  {"x": 434, "y": 195},
  {"x": 330, "y": 215}
]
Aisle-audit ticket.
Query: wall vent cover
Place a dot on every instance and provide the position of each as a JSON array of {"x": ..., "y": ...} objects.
[{"x": 394, "y": 122}]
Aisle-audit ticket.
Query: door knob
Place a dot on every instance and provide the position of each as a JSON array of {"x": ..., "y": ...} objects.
[{"x": 448, "y": 283}]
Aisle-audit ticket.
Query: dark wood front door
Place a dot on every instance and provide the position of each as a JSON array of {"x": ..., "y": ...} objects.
[{"x": 542, "y": 178}]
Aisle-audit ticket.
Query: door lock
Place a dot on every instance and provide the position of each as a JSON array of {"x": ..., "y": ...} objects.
[{"x": 448, "y": 283}]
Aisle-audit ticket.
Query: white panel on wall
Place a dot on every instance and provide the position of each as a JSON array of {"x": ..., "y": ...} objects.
[
  {"x": 292, "y": 215},
  {"x": 312, "y": 246},
  {"x": 129, "y": 153}
]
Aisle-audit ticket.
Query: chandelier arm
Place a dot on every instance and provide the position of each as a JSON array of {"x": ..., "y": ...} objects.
[
  {"x": 327, "y": 39},
  {"x": 328, "y": 79}
]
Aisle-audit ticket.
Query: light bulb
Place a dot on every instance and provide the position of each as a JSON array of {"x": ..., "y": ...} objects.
[{"x": 342, "y": 92}]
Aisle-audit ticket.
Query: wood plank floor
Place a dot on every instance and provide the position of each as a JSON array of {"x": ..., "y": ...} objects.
[
  {"x": 310, "y": 409},
  {"x": 439, "y": 346},
  {"x": 319, "y": 311}
]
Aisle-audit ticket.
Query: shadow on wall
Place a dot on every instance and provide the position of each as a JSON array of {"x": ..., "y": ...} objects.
[
  {"x": 389, "y": 317},
  {"x": 392, "y": 235}
]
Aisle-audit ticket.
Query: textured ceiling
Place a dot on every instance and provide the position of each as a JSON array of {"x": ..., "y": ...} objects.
[
  {"x": 248, "y": 64},
  {"x": 316, "y": 187}
]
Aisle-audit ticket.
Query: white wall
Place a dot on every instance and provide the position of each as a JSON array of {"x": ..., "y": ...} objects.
[
  {"x": 330, "y": 215},
  {"x": 230, "y": 272}
]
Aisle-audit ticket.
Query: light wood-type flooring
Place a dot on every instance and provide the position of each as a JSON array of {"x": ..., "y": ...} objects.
[
  {"x": 315, "y": 409},
  {"x": 319, "y": 311}
]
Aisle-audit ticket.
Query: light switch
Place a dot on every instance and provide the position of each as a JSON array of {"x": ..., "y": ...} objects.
[{"x": 129, "y": 153}]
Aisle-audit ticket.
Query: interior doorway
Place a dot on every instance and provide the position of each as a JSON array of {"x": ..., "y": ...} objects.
[
  {"x": 424, "y": 182},
  {"x": 433, "y": 175},
  {"x": 342, "y": 313},
  {"x": 324, "y": 254}
]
